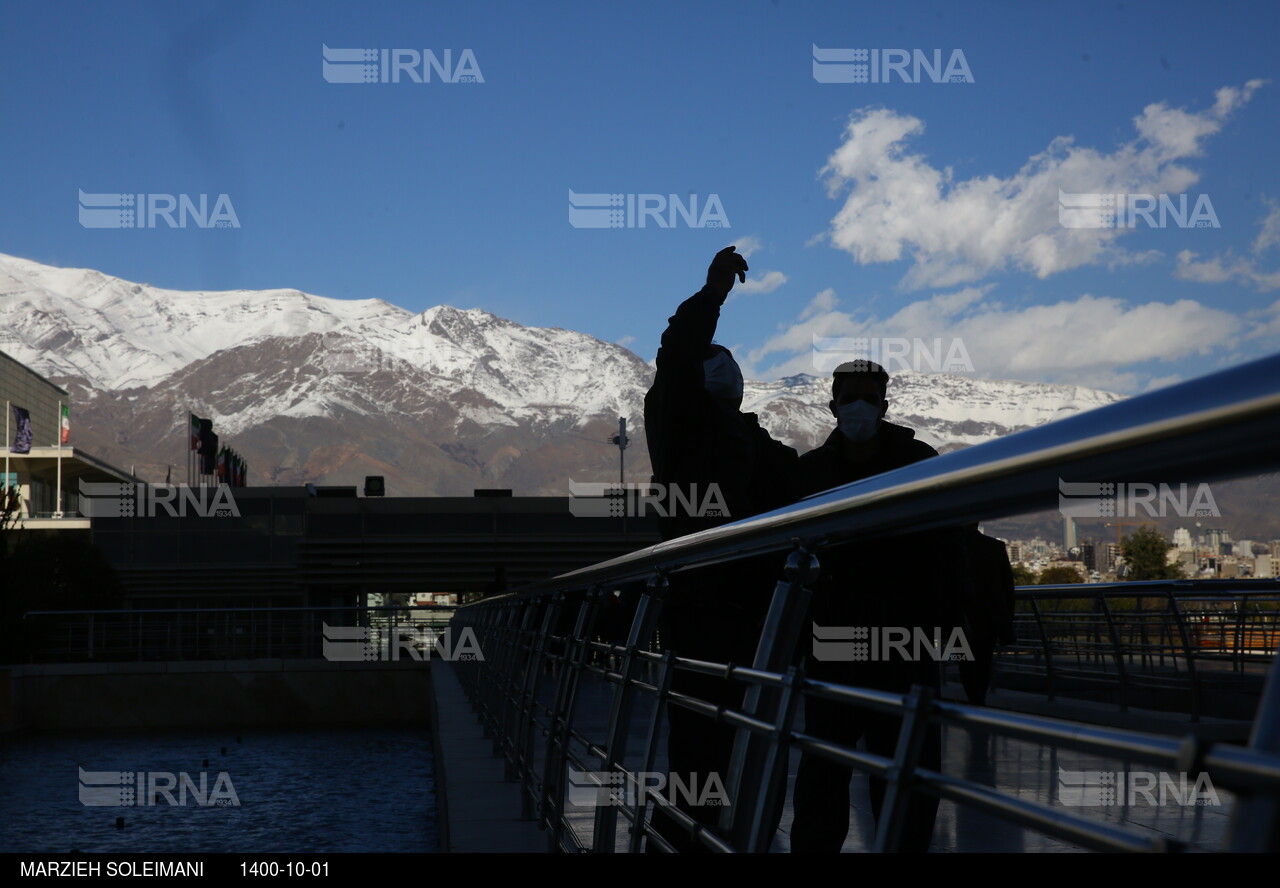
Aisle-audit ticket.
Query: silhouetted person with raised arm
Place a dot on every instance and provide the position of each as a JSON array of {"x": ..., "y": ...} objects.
[
  {"x": 900, "y": 581},
  {"x": 697, "y": 437}
]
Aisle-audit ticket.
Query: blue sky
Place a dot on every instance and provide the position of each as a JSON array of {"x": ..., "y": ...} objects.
[{"x": 882, "y": 210}]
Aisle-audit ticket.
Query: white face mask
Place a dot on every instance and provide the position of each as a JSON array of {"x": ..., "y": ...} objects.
[
  {"x": 722, "y": 378},
  {"x": 859, "y": 421}
]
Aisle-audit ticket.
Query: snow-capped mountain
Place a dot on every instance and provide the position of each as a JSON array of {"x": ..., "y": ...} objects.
[
  {"x": 309, "y": 388},
  {"x": 945, "y": 410}
]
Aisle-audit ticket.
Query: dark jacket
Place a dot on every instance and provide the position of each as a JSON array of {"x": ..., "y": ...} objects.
[
  {"x": 696, "y": 440},
  {"x": 825, "y": 467},
  {"x": 904, "y": 580}
]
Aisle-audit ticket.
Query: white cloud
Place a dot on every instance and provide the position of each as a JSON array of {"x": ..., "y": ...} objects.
[
  {"x": 625, "y": 341},
  {"x": 899, "y": 206},
  {"x": 824, "y": 302},
  {"x": 1269, "y": 229},
  {"x": 1268, "y": 322},
  {"x": 747, "y": 245},
  {"x": 1227, "y": 266},
  {"x": 766, "y": 283},
  {"x": 1089, "y": 340}
]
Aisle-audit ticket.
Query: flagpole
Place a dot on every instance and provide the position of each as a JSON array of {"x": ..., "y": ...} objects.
[
  {"x": 58, "y": 501},
  {"x": 7, "y": 446}
]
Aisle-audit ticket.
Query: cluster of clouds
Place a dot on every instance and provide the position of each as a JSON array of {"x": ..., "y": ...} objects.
[
  {"x": 955, "y": 232},
  {"x": 956, "y": 235},
  {"x": 1087, "y": 341}
]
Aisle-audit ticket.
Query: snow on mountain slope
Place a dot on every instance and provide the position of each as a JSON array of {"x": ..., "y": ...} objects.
[{"x": 145, "y": 355}]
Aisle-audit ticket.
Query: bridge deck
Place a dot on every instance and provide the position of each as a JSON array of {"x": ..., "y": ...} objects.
[{"x": 483, "y": 809}]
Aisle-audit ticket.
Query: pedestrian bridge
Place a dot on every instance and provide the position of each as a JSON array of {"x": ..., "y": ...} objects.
[{"x": 564, "y": 709}]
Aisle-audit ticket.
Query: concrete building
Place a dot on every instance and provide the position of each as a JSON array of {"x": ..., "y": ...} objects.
[
  {"x": 287, "y": 547},
  {"x": 1218, "y": 541},
  {"x": 48, "y": 475}
]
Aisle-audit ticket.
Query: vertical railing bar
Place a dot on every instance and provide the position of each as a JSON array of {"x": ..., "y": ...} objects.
[
  {"x": 566, "y": 703},
  {"x": 1193, "y": 676},
  {"x": 666, "y": 673},
  {"x": 615, "y": 746},
  {"x": 892, "y": 817},
  {"x": 1121, "y": 672}
]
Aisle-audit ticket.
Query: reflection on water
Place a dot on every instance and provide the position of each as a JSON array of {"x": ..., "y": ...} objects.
[{"x": 299, "y": 791}]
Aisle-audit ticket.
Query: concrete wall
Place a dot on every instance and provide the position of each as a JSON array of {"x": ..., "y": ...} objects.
[
  {"x": 224, "y": 693},
  {"x": 31, "y": 391}
]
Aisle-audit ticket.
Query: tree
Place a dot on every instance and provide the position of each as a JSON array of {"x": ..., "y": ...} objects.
[
  {"x": 1146, "y": 552},
  {"x": 10, "y": 519},
  {"x": 1023, "y": 576},
  {"x": 1054, "y": 575}
]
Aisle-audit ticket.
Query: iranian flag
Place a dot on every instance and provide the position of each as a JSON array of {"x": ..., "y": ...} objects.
[
  {"x": 195, "y": 431},
  {"x": 66, "y": 423}
]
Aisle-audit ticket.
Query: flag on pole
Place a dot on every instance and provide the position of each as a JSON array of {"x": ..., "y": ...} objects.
[
  {"x": 195, "y": 431},
  {"x": 66, "y": 423},
  {"x": 22, "y": 440},
  {"x": 208, "y": 448}
]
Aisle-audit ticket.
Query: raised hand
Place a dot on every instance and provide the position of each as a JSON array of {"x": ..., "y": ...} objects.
[{"x": 726, "y": 265}]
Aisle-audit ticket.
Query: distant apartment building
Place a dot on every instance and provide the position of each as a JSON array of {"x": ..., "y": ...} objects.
[
  {"x": 1217, "y": 541},
  {"x": 1113, "y": 556},
  {"x": 1089, "y": 555}
]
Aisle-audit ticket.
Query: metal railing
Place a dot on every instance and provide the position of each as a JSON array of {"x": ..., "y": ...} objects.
[
  {"x": 105, "y": 636},
  {"x": 539, "y": 643},
  {"x": 1191, "y": 646}
]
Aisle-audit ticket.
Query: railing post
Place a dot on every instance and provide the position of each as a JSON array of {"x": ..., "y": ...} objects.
[
  {"x": 666, "y": 674},
  {"x": 522, "y": 655},
  {"x": 1044, "y": 643},
  {"x": 642, "y": 626},
  {"x": 774, "y": 786},
  {"x": 1255, "y": 821},
  {"x": 755, "y": 766},
  {"x": 561, "y": 727},
  {"x": 1118, "y": 653},
  {"x": 1193, "y": 677},
  {"x": 911, "y": 739},
  {"x": 533, "y": 683},
  {"x": 1239, "y": 652}
]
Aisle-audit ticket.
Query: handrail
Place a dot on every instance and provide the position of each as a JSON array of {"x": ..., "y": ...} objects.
[
  {"x": 1218, "y": 426},
  {"x": 1223, "y": 425}
]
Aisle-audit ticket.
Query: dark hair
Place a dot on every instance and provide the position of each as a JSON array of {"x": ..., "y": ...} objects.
[
  {"x": 714, "y": 349},
  {"x": 851, "y": 369}
]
